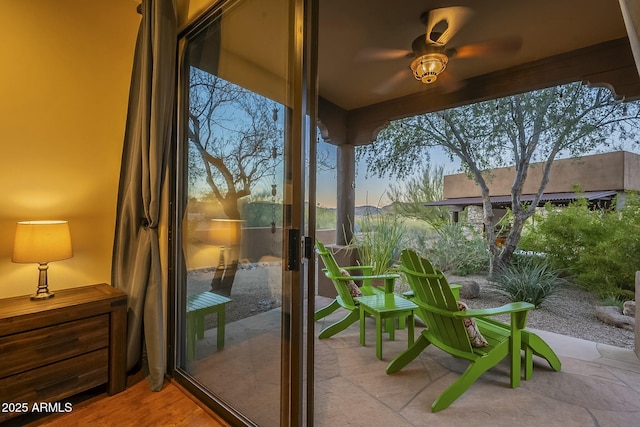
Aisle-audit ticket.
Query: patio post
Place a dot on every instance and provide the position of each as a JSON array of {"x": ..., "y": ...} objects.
[{"x": 346, "y": 189}]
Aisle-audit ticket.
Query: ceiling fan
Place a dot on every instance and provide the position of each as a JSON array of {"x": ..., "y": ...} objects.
[{"x": 430, "y": 52}]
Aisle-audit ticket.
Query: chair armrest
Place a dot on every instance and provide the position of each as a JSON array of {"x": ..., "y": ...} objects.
[
  {"x": 358, "y": 268},
  {"x": 375, "y": 276},
  {"x": 367, "y": 270},
  {"x": 345, "y": 278},
  {"x": 513, "y": 307}
]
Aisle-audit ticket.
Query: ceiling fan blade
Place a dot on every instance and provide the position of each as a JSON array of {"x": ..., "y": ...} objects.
[
  {"x": 502, "y": 46},
  {"x": 442, "y": 24},
  {"x": 388, "y": 85},
  {"x": 373, "y": 54}
]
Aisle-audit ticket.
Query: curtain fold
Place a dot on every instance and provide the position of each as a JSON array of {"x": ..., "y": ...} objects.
[{"x": 136, "y": 267}]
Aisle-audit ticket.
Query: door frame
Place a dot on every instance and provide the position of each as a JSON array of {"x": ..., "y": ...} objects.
[{"x": 297, "y": 356}]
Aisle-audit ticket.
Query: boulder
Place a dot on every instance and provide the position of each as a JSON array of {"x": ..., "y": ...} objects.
[
  {"x": 613, "y": 316},
  {"x": 470, "y": 289},
  {"x": 629, "y": 308}
]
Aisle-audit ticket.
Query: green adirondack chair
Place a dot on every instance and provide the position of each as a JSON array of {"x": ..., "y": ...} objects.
[
  {"x": 344, "y": 299},
  {"x": 446, "y": 330}
]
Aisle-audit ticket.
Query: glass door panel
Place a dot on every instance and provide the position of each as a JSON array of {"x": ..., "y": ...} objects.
[{"x": 237, "y": 149}]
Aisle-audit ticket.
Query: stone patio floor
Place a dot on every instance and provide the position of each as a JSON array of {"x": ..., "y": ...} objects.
[{"x": 599, "y": 385}]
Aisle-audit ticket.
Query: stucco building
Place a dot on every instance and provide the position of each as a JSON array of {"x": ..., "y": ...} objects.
[{"x": 599, "y": 178}]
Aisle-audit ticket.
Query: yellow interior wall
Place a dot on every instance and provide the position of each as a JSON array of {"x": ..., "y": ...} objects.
[
  {"x": 64, "y": 84},
  {"x": 189, "y": 10}
]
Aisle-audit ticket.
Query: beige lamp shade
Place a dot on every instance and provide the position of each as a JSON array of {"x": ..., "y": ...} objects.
[
  {"x": 223, "y": 232},
  {"x": 41, "y": 242}
]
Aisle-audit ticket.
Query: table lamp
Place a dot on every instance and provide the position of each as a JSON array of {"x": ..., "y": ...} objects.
[
  {"x": 42, "y": 242},
  {"x": 223, "y": 233}
]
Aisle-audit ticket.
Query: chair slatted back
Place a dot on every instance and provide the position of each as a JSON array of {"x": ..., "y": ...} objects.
[
  {"x": 436, "y": 301},
  {"x": 332, "y": 271}
]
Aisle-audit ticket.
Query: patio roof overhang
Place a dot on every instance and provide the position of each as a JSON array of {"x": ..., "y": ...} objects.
[
  {"x": 505, "y": 201},
  {"x": 597, "y": 43},
  {"x": 562, "y": 42}
]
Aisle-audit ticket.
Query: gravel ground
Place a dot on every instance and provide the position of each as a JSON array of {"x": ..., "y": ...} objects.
[
  {"x": 571, "y": 312},
  {"x": 254, "y": 291}
]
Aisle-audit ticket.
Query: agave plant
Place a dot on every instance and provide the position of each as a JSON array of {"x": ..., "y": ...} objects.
[{"x": 530, "y": 280}]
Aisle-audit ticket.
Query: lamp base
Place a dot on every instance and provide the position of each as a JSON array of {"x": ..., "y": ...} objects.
[
  {"x": 43, "y": 286},
  {"x": 42, "y": 295}
]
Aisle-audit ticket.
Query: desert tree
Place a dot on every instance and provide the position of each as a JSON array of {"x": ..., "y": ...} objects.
[
  {"x": 408, "y": 198},
  {"x": 235, "y": 138},
  {"x": 516, "y": 131}
]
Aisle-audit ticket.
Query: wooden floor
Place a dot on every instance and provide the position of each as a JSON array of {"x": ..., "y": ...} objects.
[{"x": 137, "y": 406}]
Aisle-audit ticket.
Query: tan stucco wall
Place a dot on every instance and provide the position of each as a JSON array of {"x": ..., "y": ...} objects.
[
  {"x": 64, "y": 82},
  {"x": 610, "y": 171},
  {"x": 631, "y": 171}
]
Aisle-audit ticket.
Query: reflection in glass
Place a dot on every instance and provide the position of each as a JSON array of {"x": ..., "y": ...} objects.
[{"x": 233, "y": 212}]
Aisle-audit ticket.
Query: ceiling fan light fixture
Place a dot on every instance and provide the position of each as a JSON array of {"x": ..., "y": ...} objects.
[{"x": 427, "y": 67}]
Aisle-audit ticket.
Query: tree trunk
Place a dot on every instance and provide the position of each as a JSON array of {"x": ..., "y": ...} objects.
[
  {"x": 230, "y": 207},
  {"x": 512, "y": 240},
  {"x": 490, "y": 232},
  {"x": 224, "y": 276}
]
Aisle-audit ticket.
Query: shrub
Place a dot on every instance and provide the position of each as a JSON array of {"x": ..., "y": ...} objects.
[
  {"x": 597, "y": 248},
  {"x": 612, "y": 300},
  {"x": 261, "y": 213},
  {"x": 609, "y": 265},
  {"x": 459, "y": 250},
  {"x": 380, "y": 241},
  {"x": 530, "y": 280},
  {"x": 562, "y": 234}
]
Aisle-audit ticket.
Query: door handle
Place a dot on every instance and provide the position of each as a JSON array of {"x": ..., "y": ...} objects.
[
  {"x": 308, "y": 247},
  {"x": 293, "y": 256}
]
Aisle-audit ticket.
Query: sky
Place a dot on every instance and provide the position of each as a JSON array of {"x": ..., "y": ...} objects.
[
  {"x": 373, "y": 190},
  {"x": 370, "y": 190}
]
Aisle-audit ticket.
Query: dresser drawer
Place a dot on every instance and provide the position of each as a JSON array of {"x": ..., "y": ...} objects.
[
  {"x": 58, "y": 347},
  {"x": 27, "y": 350},
  {"x": 57, "y": 381}
]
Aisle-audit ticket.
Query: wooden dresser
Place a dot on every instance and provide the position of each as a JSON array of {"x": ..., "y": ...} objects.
[{"x": 52, "y": 349}]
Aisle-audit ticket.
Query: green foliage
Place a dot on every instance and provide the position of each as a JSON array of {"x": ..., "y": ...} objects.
[
  {"x": 563, "y": 233},
  {"x": 515, "y": 131},
  {"x": 612, "y": 261},
  {"x": 380, "y": 241},
  {"x": 459, "y": 250},
  {"x": 420, "y": 235},
  {"x": 612, "y": 301},
  {"x": 530, "y": 280},
  {"x": 409, "y": 198},
  {"x": 597, "y": 248},
  {"x": 261, "y": 214},
  {"x": 325, "y": 218}
]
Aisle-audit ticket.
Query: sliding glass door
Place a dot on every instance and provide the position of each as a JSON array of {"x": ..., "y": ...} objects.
[{"x": 239, "y": 218}]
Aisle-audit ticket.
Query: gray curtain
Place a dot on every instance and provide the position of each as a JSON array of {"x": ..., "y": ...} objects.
[{"x": 136, "y": 255}]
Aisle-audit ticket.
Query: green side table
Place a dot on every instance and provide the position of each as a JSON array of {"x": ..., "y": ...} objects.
[
  {"x": 382, "y": 307},
  {"x": 198, "y": 306}
]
